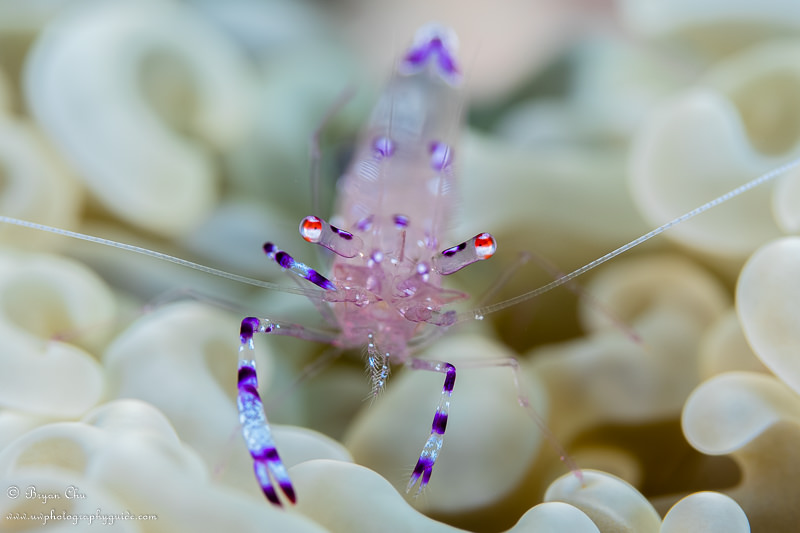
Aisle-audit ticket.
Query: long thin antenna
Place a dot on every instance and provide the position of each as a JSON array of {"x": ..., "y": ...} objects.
[
  {"x": 161, "y": 256},
  {"x": 480, "y": 312}
]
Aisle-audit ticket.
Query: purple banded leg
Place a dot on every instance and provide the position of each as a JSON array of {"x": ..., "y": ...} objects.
[
  {"x": 269, "y": 469},
  {"x": 267, "y": 464},
  {"x": 427, "y": 458},
  {"x": 287, "y": 262}
]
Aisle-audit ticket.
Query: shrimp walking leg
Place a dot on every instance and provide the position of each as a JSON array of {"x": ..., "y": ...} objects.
[
  {"x": 430, "y": 452},
  {"x": 269, "y": 469}
]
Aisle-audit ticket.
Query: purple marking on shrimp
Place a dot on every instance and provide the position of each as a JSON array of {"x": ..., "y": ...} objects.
[
  {"x": 423, "y": 464},
  {"x": 439, "y": 423},
  {"x": 424, "y": 468},
  {"x": 267, "y": 454},
  {"x": 288, "y": 489},
  {"x": 400, "y": 221},
  {"x": 270, "y": 493},
  {"x": 446, "y": 62},
  {"x": 247, "y": 378},
  {"x": 450, "y": 380},
  {"x": 432, "y": 447},
  {"x": 346, "y": 235},
  {"x": 267, "y": 464},
  {"x": 249, "y": 326},
  {"x": 304, "y": 271},
  {"x": 454, "y": 250},
  {"x": 321, "y": 281},
  {"x": 283, "y": 259},
  {"x": 441, "y": 155},
  {"x": 365, "y": 224},
  {"x": 383, "y": 147},
  {"x": 419, "y": 55}
]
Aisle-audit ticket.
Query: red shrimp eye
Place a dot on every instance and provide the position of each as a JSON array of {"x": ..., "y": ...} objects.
[
  {"x": 485, "y": 245},
  {"x": 311, "y": 229}
]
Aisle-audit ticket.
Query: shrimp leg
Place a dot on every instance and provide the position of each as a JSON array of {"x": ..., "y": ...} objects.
[
  {"x": 267, "y": 464},
  {"x": 427, "y": 458}
]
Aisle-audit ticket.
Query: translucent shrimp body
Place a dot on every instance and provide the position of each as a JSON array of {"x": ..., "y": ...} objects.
[
  {"x": 396, "y": 197},
  {"x": 385, "y": 284}
]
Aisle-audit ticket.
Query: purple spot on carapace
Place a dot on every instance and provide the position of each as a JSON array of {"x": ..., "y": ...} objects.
[
  {"x": 446, "y": 63},
  {"x": 365, "y": 223},
  {"x": 320, "y": 281},
  {"x": 418, "y": 56},
  {"x": 434, "y": 48},
  {"x": 283, "y": 259},
  {"x": 383, "y": 147},
  {"x": 269, "y": 248},
  {"x": 454, "y": 250},
  {"x": 423, "y": 268},
  {"x": 377, "y": 256},
  {"x": 441, "y": 155},
  {"x": 450, "y": 380},
  {"x": 400, "y": 221},
  {"x": 249, "y": 326},
  {"x": 346, "y": 235},
  {"x": 439, "y": 423}
]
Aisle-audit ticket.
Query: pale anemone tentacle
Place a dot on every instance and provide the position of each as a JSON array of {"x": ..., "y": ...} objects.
[{"x": 82, "y": 83}]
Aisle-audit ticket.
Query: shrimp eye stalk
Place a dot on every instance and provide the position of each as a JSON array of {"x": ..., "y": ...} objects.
[
  {"x": 480, "y": 247},
  {"x": 317, "y": 231}
]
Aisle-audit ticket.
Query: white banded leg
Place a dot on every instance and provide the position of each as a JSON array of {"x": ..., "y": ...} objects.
[
  {"x": 430, "y": 451},
  {"x": 270, "y": 471}
]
